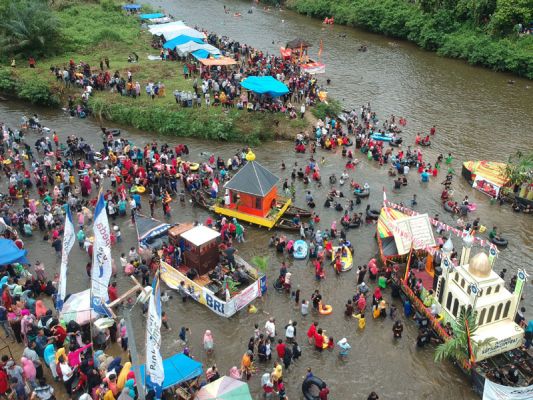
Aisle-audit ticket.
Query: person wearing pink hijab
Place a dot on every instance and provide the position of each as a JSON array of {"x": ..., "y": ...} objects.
[
  {"x": 29, "y": 370},
  {"x": 208, "y": 342},
  {"x": 40, "y": 309}
]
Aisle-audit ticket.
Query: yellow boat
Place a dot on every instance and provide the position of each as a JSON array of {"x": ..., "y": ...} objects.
[{"x": 347, "y": 262}]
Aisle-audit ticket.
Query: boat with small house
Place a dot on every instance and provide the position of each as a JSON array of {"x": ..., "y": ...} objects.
[
  {"x": 223, "y": 283},
  {"x": 251, "y": 195}
]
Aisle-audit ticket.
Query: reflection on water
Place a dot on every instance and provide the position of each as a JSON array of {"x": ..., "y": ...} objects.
[{"x": 478, "y": 116}]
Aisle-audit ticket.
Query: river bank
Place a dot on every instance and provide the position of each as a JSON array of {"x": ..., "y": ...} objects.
[
  {"x": 449, "y": 32},
  {"x": 95, "y": 32}
]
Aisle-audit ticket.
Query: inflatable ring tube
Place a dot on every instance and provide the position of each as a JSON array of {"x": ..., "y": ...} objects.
[
  {"x": 82, "y": 114},
  {"x": 325, "y": 309},
  {"x": 372, "y": 214},
  {"x": 425, "y": 144},
  {"x": 472, "y": 207},
  {"x": 362, "y": 194},
  {"x": 277, "y": 285},
  {"x": 194, "y": 166},
  {"x": 447, "y": 207},
  {"x": 114, "y": 132},
  {"x": 141, "y": 189},
  {"x": 308, "y": 385},
  {"x": 501, "y": 242},
  {"x": 355, "y": 224}
]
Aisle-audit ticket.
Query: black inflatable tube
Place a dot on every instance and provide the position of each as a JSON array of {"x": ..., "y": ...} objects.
[
  {"x": 447, "y": 207},
  {"x": 425, "y": 144},
  {"x": 308, "y": 384},
  {"x": 500, "y": 242},
  {"x": 363, "y": 194},
  {"x": 372, "y": 214},
  {"x": 114, "y": 132}
]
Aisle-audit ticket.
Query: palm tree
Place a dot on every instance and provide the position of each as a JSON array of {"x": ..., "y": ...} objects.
[
  {"x": 456, "y": 348},
  {"x": 29, "y": 27},
  {"x": 260, "y": 262}
]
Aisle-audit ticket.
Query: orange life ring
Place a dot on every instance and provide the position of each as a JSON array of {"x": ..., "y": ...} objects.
[{"x": 325, "y": 309}]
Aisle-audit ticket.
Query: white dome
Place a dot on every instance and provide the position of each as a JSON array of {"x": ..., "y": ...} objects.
[{"x": 479, "y": 265}]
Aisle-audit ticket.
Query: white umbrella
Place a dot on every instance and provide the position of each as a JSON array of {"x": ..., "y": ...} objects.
[{"x": 78, "y": 308}]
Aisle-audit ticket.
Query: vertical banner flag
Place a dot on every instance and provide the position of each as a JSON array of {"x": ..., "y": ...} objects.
[
  {"x": 155, "y": 374},
  {"x": 101, "y": 269},
  {"x": 69, "y": 237}
]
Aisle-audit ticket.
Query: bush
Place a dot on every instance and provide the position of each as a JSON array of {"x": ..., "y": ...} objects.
[
  {"x": 37, "y": 92},
  {"x": 109, "y": 5},
  {"x": 332, "y": 109},
  {"x": 7, "y": 83}
]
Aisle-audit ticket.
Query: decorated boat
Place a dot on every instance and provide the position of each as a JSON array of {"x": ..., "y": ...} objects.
[
  {"x": 455, "y": 290},
  {"x": 209, "y": 276},
  {"x": 252, "y": 196},
  {"x": 486, "y": 176}
]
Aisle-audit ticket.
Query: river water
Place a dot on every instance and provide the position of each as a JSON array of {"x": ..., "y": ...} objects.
[{"x": 478, "y": 116}]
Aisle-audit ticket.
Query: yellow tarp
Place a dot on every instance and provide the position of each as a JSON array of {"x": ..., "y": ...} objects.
[{"x": 490, "y": 170}]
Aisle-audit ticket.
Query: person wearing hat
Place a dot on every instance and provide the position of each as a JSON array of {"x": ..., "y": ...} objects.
[{"x": 344, "y": 347}]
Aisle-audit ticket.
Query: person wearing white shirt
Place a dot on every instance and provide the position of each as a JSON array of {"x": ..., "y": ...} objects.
[
  {"x": 289, "y": 332},
  {"x": 270, "y": 329}
]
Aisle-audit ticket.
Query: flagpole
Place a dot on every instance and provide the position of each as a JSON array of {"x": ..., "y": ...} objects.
[
  {"x": 408, "y": 266},
  {"x": 134, "y": 356}
]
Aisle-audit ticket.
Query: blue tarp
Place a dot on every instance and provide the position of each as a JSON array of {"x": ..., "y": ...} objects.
[
  {"x": 10, "y": 253},
  {"x": 151, "y": 16},
  {"x": 131, "y": 7},
  {"x": 203, "y": 54},
  {"x": 265, "y": 85},
  {"x": 181, "y": 39},
  {"x": 178, "y": 369}
]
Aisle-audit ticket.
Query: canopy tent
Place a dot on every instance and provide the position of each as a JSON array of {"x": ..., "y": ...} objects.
[
  {"x": 265, "y": 85},
  {"x": 159, "y": 29},
  {"x": 184, "y": 30},
  {"x": 225, "y": 388},
  {"x": 10, "y": 253},
  {"x": 178, "y": 369},
  {"x": 200, "y": 54},
  {"x": 190, "y": 47},
  {"x": 179, "y": 40},
  {"x": 386, "y": 220},
  {"x": 131, "y": 7},
  {"x": 253, "y": 179},
  {"x": 150, "y": 232},
  {"x": 151, "y": 16},
  {"x": 298, "y": 43},
  {"x": 217, "y": 61}
]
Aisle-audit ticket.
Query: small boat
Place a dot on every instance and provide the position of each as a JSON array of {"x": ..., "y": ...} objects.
[
  {"x": 362, "y": 193},
  {"x": 300, "y": 249},
  {"x": 347, "y": 262},
  {"x": 293, "y": 211},
  {"x": 381, "y": 137},
  {"x": 287, "y": 224}
]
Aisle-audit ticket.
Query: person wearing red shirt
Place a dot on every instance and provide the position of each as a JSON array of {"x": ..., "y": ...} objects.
[
  {"x": 319, "y": 340},
  {"x": 280, "y": 348},
  {"x": 323, "y": 394},
  {"x": 112, "y": 292},
  {"x": 312, "y": 331}
]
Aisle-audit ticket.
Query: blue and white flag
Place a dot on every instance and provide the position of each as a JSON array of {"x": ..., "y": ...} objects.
[
  {"x": 155, "y": 374},
  {"x": 101, "y": 269},
  {"x": 69, "y": 237}
]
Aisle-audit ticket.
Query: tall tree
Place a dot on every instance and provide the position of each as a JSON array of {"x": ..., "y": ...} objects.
[{"x": 29, "y": 27}]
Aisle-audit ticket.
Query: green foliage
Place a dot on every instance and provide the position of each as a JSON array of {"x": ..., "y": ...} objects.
[
  {"x": 332, "y": 108},
  {"x": 261, "y": 262},
  {"x": 456, "y": 348},
  {"x": 519, "y": 168},
  {"x": 37, "y": 92},
  {"x": 29, "y": 27},
  {"x": 7, "y": 83},
  {"x": 109, "y": 5},
  {"x": 454, "y": 28},
  {"x": 509, "y": 13}
]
